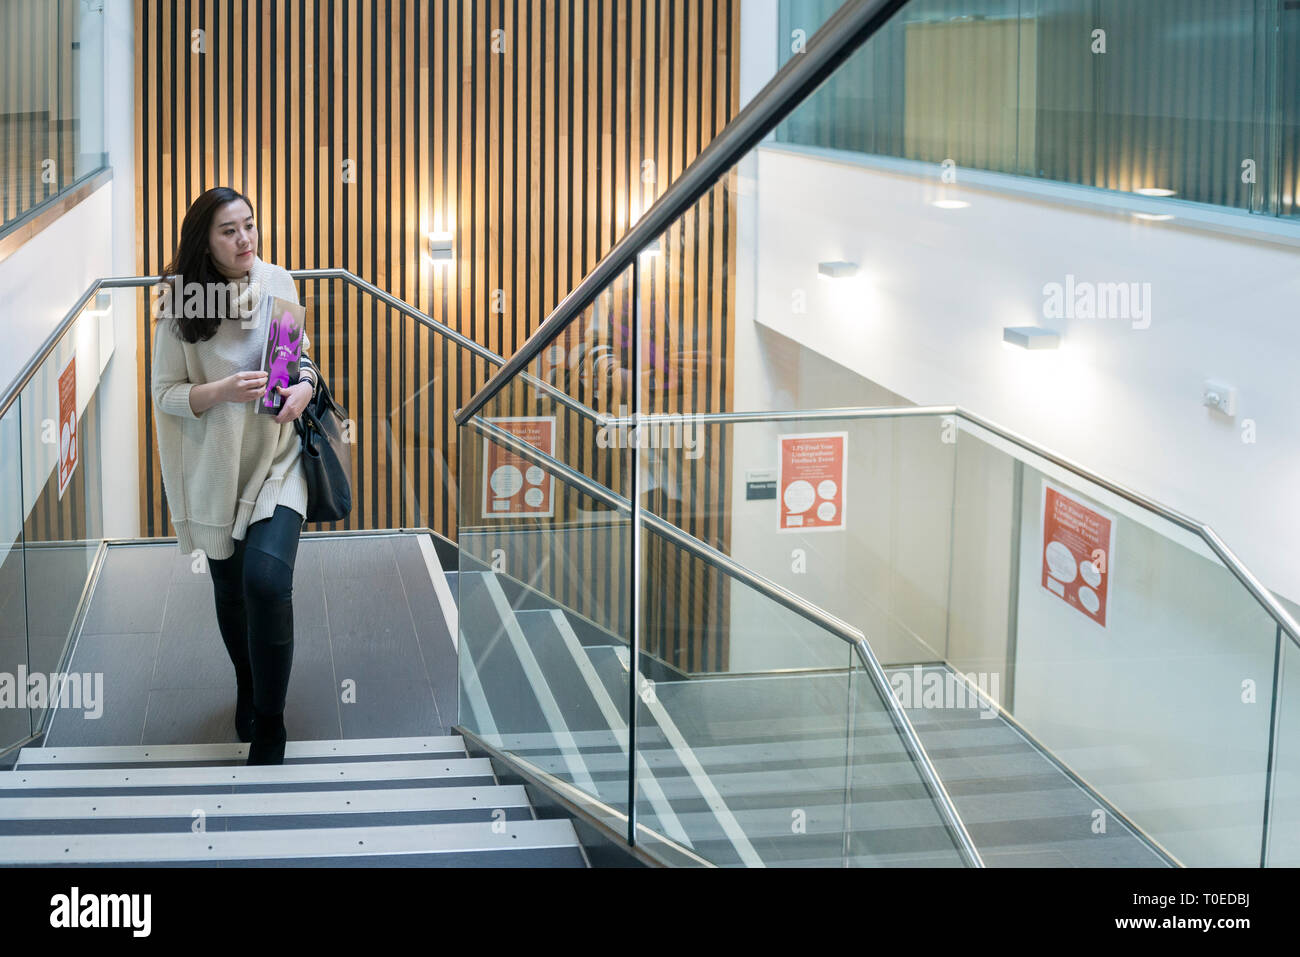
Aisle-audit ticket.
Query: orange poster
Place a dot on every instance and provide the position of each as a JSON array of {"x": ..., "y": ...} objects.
[
  {"x": 67, "y": 424},
  {"x": 810, "y": 482},
  {"x": 514, "y": 487},
  {"x": 1078, "y": 553}
]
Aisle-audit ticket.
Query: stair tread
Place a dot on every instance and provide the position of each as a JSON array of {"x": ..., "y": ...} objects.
[
  {"x": 50, "y": 757},
  {"x": 189, "y": 776},
  {"x": 99, "y": 807},
  {"x": 288, "y": 844}
]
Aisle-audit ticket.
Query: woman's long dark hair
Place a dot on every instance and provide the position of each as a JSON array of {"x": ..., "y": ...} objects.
[{"x": 193, "y": 264}]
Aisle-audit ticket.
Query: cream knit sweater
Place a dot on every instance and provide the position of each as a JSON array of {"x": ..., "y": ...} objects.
[{"x": 230, "y": 466}]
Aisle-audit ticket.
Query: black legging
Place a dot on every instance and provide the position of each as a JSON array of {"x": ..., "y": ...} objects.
[{"x": 254, "y": 593}]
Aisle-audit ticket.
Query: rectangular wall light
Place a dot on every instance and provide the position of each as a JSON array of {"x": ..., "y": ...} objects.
[
  {"x": 837, "y": 270},
  {"x": 1031, "y": 337},
  {"x": 440, "y": 249}
]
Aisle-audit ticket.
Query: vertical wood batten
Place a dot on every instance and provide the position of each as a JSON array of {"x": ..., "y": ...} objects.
[{"x": 531, "y": 158}]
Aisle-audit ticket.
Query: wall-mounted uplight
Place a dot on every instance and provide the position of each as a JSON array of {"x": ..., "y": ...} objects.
[
  {"x": 1031, "y": 337},
  {"x": 837, "y": 270},
  {"x": 1154, "y": 191},
  {"x": 103, "y": 305},
  {"x": 439, "y": 251}
]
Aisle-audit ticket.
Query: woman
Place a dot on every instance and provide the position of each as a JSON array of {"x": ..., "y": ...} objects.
[{"x": 233, "y": 478}]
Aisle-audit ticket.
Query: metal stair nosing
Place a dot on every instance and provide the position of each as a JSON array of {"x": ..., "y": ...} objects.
[
  {"x": 49, "y": 758},
  {"x": 245, "y": 776},
  {"x": 72, "y": 800},
  {"x": 301, "y": 844},
  {"x": 269, "y": 804}
]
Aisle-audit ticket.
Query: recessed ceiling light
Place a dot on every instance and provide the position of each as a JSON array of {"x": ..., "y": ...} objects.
[
  {"x": 1154, "y": 217},
  {"x": 951, "y": 203},
  {"x": 1154, "y": 191}
]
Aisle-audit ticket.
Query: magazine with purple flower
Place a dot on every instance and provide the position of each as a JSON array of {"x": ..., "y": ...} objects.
[{"x": 282, "y": 352}]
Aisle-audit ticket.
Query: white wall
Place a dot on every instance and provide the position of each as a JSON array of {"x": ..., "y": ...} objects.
[
  {"x": 43, "y": 278},
  {"x": 940, "y": 284},
  {"x": 888, "y": 573}
]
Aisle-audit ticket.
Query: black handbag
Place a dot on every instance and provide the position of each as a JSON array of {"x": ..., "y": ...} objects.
[{"x": 326, "y": 458}]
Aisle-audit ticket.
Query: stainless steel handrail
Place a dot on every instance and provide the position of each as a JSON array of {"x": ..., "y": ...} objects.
[
  {"x": 778, "y": 593},
  {"x": 847, "y": 29},
  {"x": 1258, "y": 591},
  {"x": 447, "y": 332},
  {"x": 1283, "y": 618},
  {"x": 30, "y": 368}
]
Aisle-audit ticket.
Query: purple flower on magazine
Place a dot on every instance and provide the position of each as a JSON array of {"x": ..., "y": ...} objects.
[{"x": 284, "y": 353}]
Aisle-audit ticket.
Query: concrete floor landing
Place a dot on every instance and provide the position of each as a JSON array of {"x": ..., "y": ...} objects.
[{"x": 366, "y": 612}]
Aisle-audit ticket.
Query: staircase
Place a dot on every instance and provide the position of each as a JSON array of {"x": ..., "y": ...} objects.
[
  {"x": 760, "y": 770},
  {"x": 742, "y": 771},
  {"x": 395, "y": 802}
]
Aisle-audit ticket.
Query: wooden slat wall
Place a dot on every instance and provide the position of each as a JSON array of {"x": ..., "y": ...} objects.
[{"x": 531, "y": 157}]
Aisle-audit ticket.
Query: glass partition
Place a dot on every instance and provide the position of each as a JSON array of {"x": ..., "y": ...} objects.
[
  {"x": 797, "y": 760},
  {"x": 62, "y": 486},
  {"x": 860, "y": 526},
  {"x": 891, "y": 817},
  {"x": 1284, "y": 797},
  {"x": 51, "y": 101},
  {"x": 1165, "y": 98},
  {"x": 546, "y": 659},
  {"x": 1125, "y": 648},
  {"x": 15, "y": 719},
  {"x": 1074, "y": 636},
  {"x": 545, "y": 564}
]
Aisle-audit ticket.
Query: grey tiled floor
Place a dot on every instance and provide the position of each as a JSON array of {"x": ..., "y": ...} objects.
[{"x": 366, "y": 621}]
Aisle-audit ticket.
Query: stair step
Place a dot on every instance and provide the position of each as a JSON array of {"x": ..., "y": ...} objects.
[
  {"x": 828, "y": 852},
  {"x": 563, "y": 672},
  {"x": 308, "y": 846},
  {"x": 294, "y": 751},
  {"x": 330, "y": 775},
  {"x": 99, "y": 808},
  {"x": 489, "y": 633}
]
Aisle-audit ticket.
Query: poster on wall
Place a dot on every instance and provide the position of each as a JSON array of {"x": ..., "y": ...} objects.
[
  {"x": 514, "y": 487},
  {"x": 67, "y": 423},
  {"x": 811, "y": 473},
  {"x": 1078, "y": 552}
]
